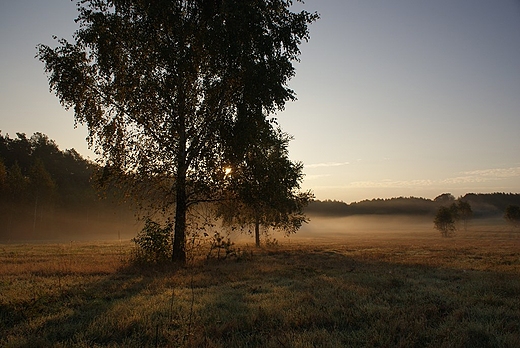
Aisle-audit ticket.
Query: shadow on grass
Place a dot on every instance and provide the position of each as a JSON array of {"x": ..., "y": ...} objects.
[
  {"x": 326, "y": 298},
  {"x": 66, "y": 315},
  {"x": 280, "y": 298}
]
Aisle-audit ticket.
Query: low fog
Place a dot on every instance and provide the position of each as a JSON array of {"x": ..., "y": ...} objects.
[
  {"x": 63, "y": 225},
  {"x": 365, "y": 224},
  {"x": 122, "y": 224},
  {"x": 328, "y": 228}
]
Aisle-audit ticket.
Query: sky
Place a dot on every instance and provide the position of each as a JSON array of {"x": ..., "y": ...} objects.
[{"x": 395, "y": 98}]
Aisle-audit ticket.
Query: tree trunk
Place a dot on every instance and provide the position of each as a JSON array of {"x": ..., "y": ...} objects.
[
  {"x": 179, "y": 233},
  {"x": 257, "y": 233}
]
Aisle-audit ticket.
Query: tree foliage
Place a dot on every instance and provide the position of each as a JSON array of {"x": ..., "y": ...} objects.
[
  {"x": 464, "y": 212},
  {"x": 163, "y": 85},
  {"x": 264, "y": 187},
  {"x": 444, "y": 221},
  {"x": 512, "y": 215},
  {"x": 153, "y": 242},
  {"x": 46, "y": 192},
  {"x": 445, "y": 198},
  {"x": 447, "y": 216},
  {"x": 482, "y": 205}
]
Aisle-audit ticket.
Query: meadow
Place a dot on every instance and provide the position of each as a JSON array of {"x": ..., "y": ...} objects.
[{"x": 358, "y": 282}]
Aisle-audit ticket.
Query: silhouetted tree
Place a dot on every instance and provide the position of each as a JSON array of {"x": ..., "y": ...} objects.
[
  {"x": 265, "y": 188},
  {"x": 464, "y": 212},
  {"x": 158, "y": 82},
  {"x": 444, "y": 221},
  {"x": 445, "y": 198},
  {"x": 454, "y": 209},
  {"x": 41, "y": 186},
  {"x": 16, "y": 194},
  {"x": 17, "y": 184},
  {"x": 21, "y": 151},
  {"x": 4, "y": 205},
  {"x": 512, "y": 215},
  {"x": 3, "y": 177}
]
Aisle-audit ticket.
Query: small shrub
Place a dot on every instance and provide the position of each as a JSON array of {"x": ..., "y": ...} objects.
[
  {"x": 270, "y": 242},
  {"x": 154, "y": 242},
  {"x": 221, "y": 247}
]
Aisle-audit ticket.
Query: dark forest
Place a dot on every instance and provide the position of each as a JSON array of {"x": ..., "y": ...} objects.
[{"x": 47, "y": 193}]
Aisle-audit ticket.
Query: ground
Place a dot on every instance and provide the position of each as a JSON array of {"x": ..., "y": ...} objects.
[{"x": 369, "y": 286}]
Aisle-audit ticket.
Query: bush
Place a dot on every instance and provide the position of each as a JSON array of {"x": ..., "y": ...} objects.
[
  {"x": 221, "y": 247},
  {"x": 154, "y": 242}
]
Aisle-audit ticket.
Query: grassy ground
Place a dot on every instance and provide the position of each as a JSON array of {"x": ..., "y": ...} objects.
[{"x": 380, "y": 290}]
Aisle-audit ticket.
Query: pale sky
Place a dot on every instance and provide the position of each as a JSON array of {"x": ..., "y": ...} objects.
[{"x": 395, "y": 98}]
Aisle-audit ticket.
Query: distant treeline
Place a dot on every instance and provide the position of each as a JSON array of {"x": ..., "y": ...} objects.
[
  {"x": 482, "y": 205},
  {"x": 46, "y": 193}
]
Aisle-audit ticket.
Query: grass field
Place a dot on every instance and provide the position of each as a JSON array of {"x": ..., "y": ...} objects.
[{"x": 374, "y": 287}]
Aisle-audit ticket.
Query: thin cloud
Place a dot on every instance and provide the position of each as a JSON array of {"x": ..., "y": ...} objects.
[
  {"x": 316, "y": 176},
  {"x": 391, "y": 183},
  {"x": 484, "y": 175},
  {"x": 470, "y": 177},
  {"x": 496, "y": 173},
  {"x": 327, "y": 164}
]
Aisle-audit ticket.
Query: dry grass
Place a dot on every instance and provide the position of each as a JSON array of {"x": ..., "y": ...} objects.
[{"x": 359, "y": 289}]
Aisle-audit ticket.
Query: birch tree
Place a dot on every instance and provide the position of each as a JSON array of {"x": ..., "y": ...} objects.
[{"x": 159, "y": 82}]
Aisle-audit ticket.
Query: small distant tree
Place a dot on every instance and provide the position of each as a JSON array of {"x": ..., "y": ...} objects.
[
  {"x": 464, "y": 212},
  {"x": 444, "y": 221},
  {"x": 454, "y": 209},
  {"x": 512, "y": 215}
]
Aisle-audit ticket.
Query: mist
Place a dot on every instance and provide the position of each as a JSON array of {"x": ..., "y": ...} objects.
[
  {"x": 366, "y": 225},
  {"x": 65, "y": 225},
  {"x": 121, "y": 224}
]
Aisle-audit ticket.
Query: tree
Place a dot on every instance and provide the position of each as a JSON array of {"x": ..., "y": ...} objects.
[
  {"x": 512, "y": 215},
  {"x": 3, "y": 176},
  {"x": 41, "y": 186},
  {"x": 444, "y": 221},
  {"x": 16, "y": 188},
  {"x": 17, "y": 184},
  {"x": 3, "y": 190},
  {"x": 160, "y": 82},
  {"x": 464, "y": 212},
  {"x": 265, "y": 187},
  {"x": 445, "y": 198}
]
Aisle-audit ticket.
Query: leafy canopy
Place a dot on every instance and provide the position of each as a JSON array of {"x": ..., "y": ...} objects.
[
  {"x": 265, "y": 188},
  {"x": 163, "y": 85}
]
